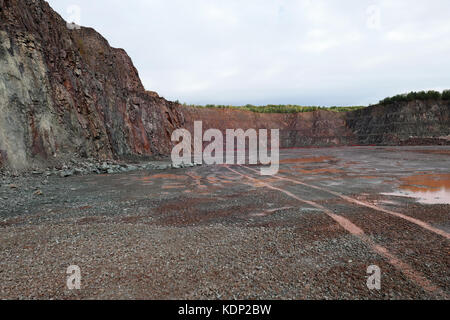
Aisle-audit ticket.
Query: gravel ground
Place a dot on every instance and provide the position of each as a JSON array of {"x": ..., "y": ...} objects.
[{"x": 214, "y": 233}]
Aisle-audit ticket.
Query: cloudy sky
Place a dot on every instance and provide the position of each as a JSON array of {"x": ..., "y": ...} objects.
[{"x": 307, "y": 52}]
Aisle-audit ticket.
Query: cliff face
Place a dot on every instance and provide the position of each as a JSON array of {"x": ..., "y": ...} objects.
[
  {"x": 319, "y": 128},
  {"x": 415, "y": 122},
  {"x": 408, "y": 123},
  {"x": 66, "y": 93}
]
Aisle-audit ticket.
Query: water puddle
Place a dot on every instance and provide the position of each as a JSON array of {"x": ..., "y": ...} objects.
[{"x": 426, "y": 188}]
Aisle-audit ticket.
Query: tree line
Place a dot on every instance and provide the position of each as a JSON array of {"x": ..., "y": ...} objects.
[
  {"x": 289, "y": 108},
  {"x": 278, "y": 108},
  {"x": 420, "y": 95}
]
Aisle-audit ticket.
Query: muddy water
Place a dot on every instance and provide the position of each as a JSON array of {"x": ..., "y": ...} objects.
[{"x": 426, "y": 188}]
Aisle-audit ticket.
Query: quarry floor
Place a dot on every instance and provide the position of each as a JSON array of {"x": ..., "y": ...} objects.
[{"x": 226, "y": 232}]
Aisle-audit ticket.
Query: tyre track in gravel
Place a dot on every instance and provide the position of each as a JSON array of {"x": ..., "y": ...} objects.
[
  {"x": 412, "y": 274},
  {"x": 418, "y": 222},
  {"x": 426, "y": 251}
]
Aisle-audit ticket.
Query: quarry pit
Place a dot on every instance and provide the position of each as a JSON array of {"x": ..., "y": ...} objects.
[
  {"x": 225, "y": 232},
  {"x": 357, "y": 190}
]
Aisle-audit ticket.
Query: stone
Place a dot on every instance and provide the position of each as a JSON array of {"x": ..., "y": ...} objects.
[{"x": 67, "y": 173}]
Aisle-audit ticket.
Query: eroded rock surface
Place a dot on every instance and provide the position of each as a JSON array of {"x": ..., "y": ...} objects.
[
  {"x": 319, "y": 128},
  {"x": 415, "y": 122},
  {"x": 67, "y": 94}
]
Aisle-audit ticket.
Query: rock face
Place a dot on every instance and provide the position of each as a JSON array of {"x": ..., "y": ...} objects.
[
  {"x": 319, "y": 128},
  {"x": 66, "y": 93},
  {"x": 408, "y": 123},
  {"x": 415, "y": 122}
]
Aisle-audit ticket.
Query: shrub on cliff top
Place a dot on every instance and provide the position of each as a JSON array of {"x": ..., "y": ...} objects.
[
  {"x": 446, "y": 95},
  {"x": 279, "y": 108},
  {"x": 421, "y": 95}
]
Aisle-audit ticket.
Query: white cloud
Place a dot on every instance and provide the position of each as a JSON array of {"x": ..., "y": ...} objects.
[
  {"x": 419, "y": 32},
  {"x": 220, "y": 15},
  {"x": 321, "y": 52},
  {"x": 318, "y": 40}
]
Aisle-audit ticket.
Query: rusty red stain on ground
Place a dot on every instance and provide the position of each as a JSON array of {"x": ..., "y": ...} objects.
[
  {"x": 426, "y": 188},
  {"x": 162, "y": 176},
  {"x": 197, "y": 180},
  {"x": 426, "y": 182},
  {"x": 444, "y": 152},
  {"x": 323, "y": 170},
  {"x": 353, "y": 229},
  {"x": 306, "y": 160},
  {"x": 366, "y": 204},
  {"x": 172, "y": 186}
]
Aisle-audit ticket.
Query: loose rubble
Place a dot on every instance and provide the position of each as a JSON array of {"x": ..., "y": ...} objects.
[{"x": 90, "y": 166}]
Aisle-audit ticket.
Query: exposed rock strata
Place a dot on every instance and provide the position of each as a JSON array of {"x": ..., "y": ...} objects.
[
  {"x": 66, "y": 93},
  {"x": 319, "y": 128},
  {"x": 415, "y": 122}
]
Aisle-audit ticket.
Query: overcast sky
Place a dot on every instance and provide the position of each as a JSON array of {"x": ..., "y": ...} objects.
[{"x": 307, "y": 52}]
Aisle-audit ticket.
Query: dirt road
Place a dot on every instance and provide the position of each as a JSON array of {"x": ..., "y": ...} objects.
[{"x": 225, "y": 232}]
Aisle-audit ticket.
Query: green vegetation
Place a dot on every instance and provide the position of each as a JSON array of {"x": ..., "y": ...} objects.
[
  {"x": 271, "y": 108},
  {"x": 421, "y": 95},
  {"x": 278, "y": 108}
]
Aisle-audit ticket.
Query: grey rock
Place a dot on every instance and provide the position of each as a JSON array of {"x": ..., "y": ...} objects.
[{"x": 67, "y": 173}]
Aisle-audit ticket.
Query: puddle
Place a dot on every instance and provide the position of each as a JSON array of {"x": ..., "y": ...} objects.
[
  {"x": 426, "y": 188},
  {"x": 333, "y": 183}
]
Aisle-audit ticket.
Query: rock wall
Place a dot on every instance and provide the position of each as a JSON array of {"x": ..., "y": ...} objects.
[
  {"x": 319, "y": 128},
  {"x": 66, "y": 93},
  {"x": 414, "y": 122},
  {"x": 408, "y": 123}
]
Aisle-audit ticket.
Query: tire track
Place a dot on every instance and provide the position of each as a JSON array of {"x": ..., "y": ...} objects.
[
  {"x": 412, "y": 274},
  {"x": 418, "y": 222}
]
